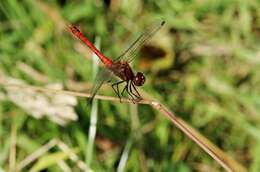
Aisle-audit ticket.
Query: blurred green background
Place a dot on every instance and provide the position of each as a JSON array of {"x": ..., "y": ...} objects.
[{"x": 204, "y": 64}]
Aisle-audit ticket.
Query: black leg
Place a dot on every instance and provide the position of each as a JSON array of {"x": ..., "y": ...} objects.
[
  {"x": 122, "y": 93},
  {"x": 132, "y": 85},
  {"x": 139, "y": 96},
  {"x": 117, "y": 89},
  {"x": 130, "y": 90},
  {"x": 129, "y": 93}
]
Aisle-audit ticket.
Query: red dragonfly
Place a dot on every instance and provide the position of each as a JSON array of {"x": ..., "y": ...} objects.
[{"x": 120, "y": 66}]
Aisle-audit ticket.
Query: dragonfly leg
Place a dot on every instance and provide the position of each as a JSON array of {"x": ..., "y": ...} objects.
[
  {"x": 122, "y": 93},
  {"x": 116, "y": 90},
  {"x": 125, "y": 89},
  {"x": 130, "y": 90},
  {"x": 129, "y": 93},
  {"x": 137, "y": 97}
]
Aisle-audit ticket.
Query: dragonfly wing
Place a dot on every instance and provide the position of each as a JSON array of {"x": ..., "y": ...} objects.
[
  {"x": 104, "y": 75},
  {"x": 134, "y": 48}
]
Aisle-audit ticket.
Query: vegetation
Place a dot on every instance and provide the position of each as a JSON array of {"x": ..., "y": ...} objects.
[{"x": 204, "y": 65}]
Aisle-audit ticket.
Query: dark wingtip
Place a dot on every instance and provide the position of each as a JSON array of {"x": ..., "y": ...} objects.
[{"x": 163, "y": 22}]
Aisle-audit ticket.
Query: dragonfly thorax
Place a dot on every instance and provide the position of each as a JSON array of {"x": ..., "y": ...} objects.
[{"x": 122, "y": 70}]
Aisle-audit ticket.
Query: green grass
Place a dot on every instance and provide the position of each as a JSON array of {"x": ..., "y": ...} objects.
[{"x": 207, "y": 72}]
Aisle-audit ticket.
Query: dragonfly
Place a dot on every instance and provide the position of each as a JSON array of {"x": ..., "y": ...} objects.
[{"x": 120, "y": 66}]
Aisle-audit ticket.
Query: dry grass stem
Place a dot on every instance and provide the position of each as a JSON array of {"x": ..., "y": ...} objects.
[
  {"x": 45, "y": 148},
  {"x": 64, "y": 166},
  {"x": 72, "y": 93},
  {"x": 73, "y": 157},
  {"x": 223, "y": 159},
  {"x": 31, "y": 158}
]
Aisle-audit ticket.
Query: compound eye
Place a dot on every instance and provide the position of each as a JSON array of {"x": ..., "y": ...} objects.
[{"x": 139, "y": 79}]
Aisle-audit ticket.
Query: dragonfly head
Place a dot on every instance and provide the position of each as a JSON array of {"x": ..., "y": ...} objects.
[{"x": 139, "y": 79}]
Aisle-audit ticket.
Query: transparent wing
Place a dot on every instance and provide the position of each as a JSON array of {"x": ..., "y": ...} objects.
[
  {"x": 132, "y": 51},
  {"x": 103, "y": 76}
]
